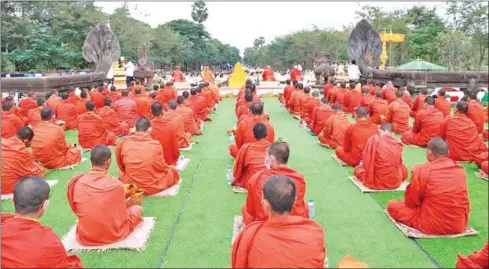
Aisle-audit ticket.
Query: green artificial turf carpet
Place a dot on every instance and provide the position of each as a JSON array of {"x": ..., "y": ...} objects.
[{"x": 194, "y": 229}]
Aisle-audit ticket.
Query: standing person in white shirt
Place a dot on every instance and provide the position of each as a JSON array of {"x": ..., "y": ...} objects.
[
  {"x": 110, "y": 76},
  {"x": 353, "y": 72},
  {"x": 129, "y": 67}
]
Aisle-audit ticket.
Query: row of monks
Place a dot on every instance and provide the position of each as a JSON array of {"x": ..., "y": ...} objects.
[
  {"x": 278, "y": 231},
  {"x": 152, "y": 127}
]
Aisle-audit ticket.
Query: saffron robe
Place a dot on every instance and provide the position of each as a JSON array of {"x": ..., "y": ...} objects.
[
  {"x": 327, "y": 88},
  {"x": 478, "y": 259},
  {"x": 127, "y": 110},
  {"x": 34, "y": 116},
  {"x": 177, "y": 122},
  {"x": 10, "y": 124},
  {"x": 92, "y": 132},
  {"x": 297, "y": 103},
  {"x": 366, "y": 100},
  {"x": 436, "y": 200},
  {"x": 382, "y": 167},
  {"x": 390, "y": 94},
  {"x": 199, "y": 108},
  {"x": 164, "y": 132},
  {"x": 462, "y": 137},
  {"x": 53, "y": 102},
  {"x": 315, "y": 102},
  {"x": 142, "y": 104},
  {"x": 253, "y": 210},
  {"x": 97, "y": 98},
  {"x": 295, "y": 75},
  {"x": 333, "y": 133},
  {"x": 292, "y": 100},
  {"x": 280, "y": 242},
  {"x": 287, "y": 91},
  {"x": 73, "y": 98},
  {"x": 249, "y": 161},
  {"x": 244, "y": 132},
  {"x": 177, "y": 76},
  {"x": 81, "y": 106},
  {"x": 304, "y": 102},
  {"x": 141, "y": 162},
  {"x": 66, "y": 111},
  {"x": 208, "y": 98},
  {"x": 442, "y": 104},
  {"x": 378, "y": 110},
  {"x": 49, "y": 147},
  {"x": 338, "y": 96},
  {"x": 267, "y": 75},
  {"x": 476, "y": 114},
  {"x": 20, "y": 236},
  {"x": 398, "y": 115},
  {"x": 189, "y": 122},
  {"x": 352, "y": 101},
  {"x": 207, "y": 76},
  {"x": 243, "y": 109},
  {"x": 112, "y": 123},
  {"x": 17, "y": 162},
  {"x": 356, "y": 138},
  {"x": 114, "y": 96},
  {"x": 319, "y": 118},
  {"x": 99, "y": 202},
  {"x": 426, "y": 126},
  {"x": 27, "y": 104},
  {"x": 417, "y": 105},
  {"x": 165, "y": 95}
]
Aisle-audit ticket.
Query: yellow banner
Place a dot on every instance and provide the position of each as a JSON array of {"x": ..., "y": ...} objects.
[{"x": 393, "y": 38}]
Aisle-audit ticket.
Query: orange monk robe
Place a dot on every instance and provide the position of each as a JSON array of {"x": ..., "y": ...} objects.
[
  {"x": 176, "y": 121},
  {"x": 486, "y": 113},
  {"x": 97, "y": 98},
  {"x": 166, "y": 94},
  {"x": 127, "y": 110},
  {"x": 177, "y": 76},
  {"x": 390, "y": 94},
  {"x": 475, "y": 113},
  {"x": 288, "y": 103},
  {"x": 484, "y": 167},
  {"x": 297, "y": 103},
  {"x": 350, "y": 262},
  {"x": 207, "y": 75},
  {"x": 315, "y": 102},
  {"x": 92, "y": 132},
  {"x": 49, "y": 147},
  {"x": 333, "y": 133},
  {"x": 417, "y": 105},
  {"x": 339, "y": 96},
  {"x": 10, "y": 124},
  {"x": 243, "y": 109},
  {"x": 378, "y": 110},
  {"x": 141, "y": 162},
  {"x": 132, "y": 93},
  {"x": 17, "y": 162},
  {"x": 164, "y": 132},
  {"x": 291, "y": 102},
  {"x": 295, "y": 75},
  {"x": 244, "y": 132},
  {"x": 111, "y": 121},
  {"x": 27, "y": 104},
  {"x": 319, "y": 118},
  {"x": 53, "y": 102},
  {"x": 66, "y": 111},
  {"x": 478, "y": 259},
  {"x": 485, "y": 134},
  {"x": 142, "y": 104},
  {"x": 287, "y": 91},
  {"x": 249, "y": 161},
  {"x": 398, "y": 115},
  {"x": 355, "y": 97},
  {"x": 81, "y": 106},
  {"x": 198, "y": 106},
  {"x": 241, "y": 101},
  {"x": 99, "y": 202},
  {"x": 280, "y": 242},
  {"x": 436, "y": 200},
  {"x": 267, "y": 75},
  {"x": 215, "y": 94},
  {"x": 73, "y": 98},
  {"x": 304, "y": 102},
  {"x": 356, "y": 138},
  {"x": 406, "y": 97},
  {"x": 253, "y": 210},
  {"x": 208, "y": 98},
  {"x": 442, "y": 104},
  {"x": 114, "y": 96},
  {"x": 382, "y": 167},
  {"x": 426, "y": 126},
  {"x": 327, "y": 87},
  {"x": 18, "y": 113},
  {"x": 189, "y": 124},
  {"x": 21, "y": 235},
  {"x": 366, "y": 100},
  {"x": 34, "y": 116},
  {"x": 462, "y": 137},
  {"x": 346, "y": 102}
]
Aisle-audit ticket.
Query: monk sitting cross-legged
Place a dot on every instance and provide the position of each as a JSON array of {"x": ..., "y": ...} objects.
[
  {"x": 34, "y": 115},
  {"x": 141, "y": 161},
  {"x": 356, "y": 138},
  {"x": 418, "y": 103},
  {"x": 475, "y": 112},
  {"x": 11, "y": 123},
  {"x": 295, "y": 99},
  {"x": 27, "y": 103},
  {"x": 367, "y": 98},
  {"x": 49, "y": 144},
  {"x": 142, "y": 103},
  {"x": 66, "y": 111},
  {"x": 283, "y": 240},
  {"x": 390, "y": 92},
  {"x": 320, "y": 116},
  {"x": 189, "y": 123},
  {"x": 126, "y": 108},
  {"x": 426, "y": 125},
  {"x": 114, "y": 94},
  {"x": 250, "y": 159},
  {"x": 442, "y": 104},
  {"x": 97, "y": 97},
  {"x": 81, "y": 103},
  {"x": 293, "y": 89},
  {"x": 461, "y": 135},
  {"x": 308, "y": 114},
  {"x": 197, "y": 104},
  {"x": 333, "y": 133},
  {"x": 287, "y": 91},
  {"x": 176, "y": 121},
  {"x": 17, "y": 161},
  {"x": 298, "y": 97},
  {"x": 436, "y": 200},
  {"x": 99, "y": 202},
  {"x": 25, "y": 242},
  {"x": 378, "y": 109},
  {"x": 244, "y": 130},
  {"x": 304, "y": 102},
  {"x": 91, "y": 129},
  {"x": 244, "y": 108},
  {"x": 352, "y": 98},
  {"x": 53, "y": 100},
  {"x": 478, "y": 259},
  {"x": 277, "y": 156},
  {"x": 111, "y": 121},
  {"x": 398, "y": 114},
  {"x": 165, "y": 133},
  {"x": 382, "y": 167}
]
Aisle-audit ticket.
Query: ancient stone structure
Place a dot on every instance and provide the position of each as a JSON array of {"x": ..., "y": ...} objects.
[
  {"x": 322, "y": 68},
  {"x": 364, "y": 45},
  {"x": 145, "y": 70}
]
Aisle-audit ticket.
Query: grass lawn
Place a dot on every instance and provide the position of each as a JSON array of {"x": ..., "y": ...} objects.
[{"x": 194, "y": 228}]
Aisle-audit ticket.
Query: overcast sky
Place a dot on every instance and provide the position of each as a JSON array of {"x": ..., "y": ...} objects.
[{"x": 239, "y": 23}]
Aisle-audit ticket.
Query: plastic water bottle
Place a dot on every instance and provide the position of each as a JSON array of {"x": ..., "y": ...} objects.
[
  {"x": 181, "y": 158},
  {"x": 229, "y": 174},
  {"x": 312, "y": 210},
  {"x": 231, "y": 138},
  {"x": 201, "y": 126}
]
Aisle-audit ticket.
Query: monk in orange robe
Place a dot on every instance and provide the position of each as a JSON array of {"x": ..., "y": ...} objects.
[
  {"x": 166, "y": 93},
  {"x": 81, "y": 103},
  {"x": 382, "y": 167},
  {"x": 313, "y": 104},
  {"x": 283, "y": 240},
  {"x": 22, "y": 232},
  {"x": 356, "y": 138},
  {"x": 166, "y": 134},
  {"x": 241, "y": 100},
  {"x": 207, "y": 75},
  {"x": 390, "y": 92},
  {"x": 99, "y": 202},
  {"x": 66, "y": 111},
  {"x": 338, "y": 95},
  {"x": 97, "y": 97},
  {"x": 304, "y": 102},
  {"x": 426, "y": 125},
  {"x": 350, "y": 262},
  {"x": 49, "y": 145},
  {"x": 296, "y": 74},
  {"x": 91, "y": 129},
  {"x": 72, "y": 97},
  {"x": 27, "y": 104},
  {"x": 461, "y": 135},
  {"x": 208, "y": 96},
  {"x": 328, "y": 87},
  {"x": 320, "y": 116},
  {"x": 11, "y": 123},
  {"x": 17, "y": 161},
  {"x": 296, "y": 94},
  {"x": 177, "y": 75},
  {"x": 367, "y": 98},
  {"x": 176, "y": 121},
  {"x": 267, "y": 74},
  {"x": 244, "y": 130},
  {"x": 142, "y": 103},
  {"x": 398, "y": 114},
  {"x": 198, "y": 106},
  {"x": 406, "y": 96},
  {"x": 352, "y": 98},
  {"x": 287, "y": 91},
  {"x": 215, "y": 93},
  {"x": 277, "y": 156},
  {"x": 475, "y": 112},
  {"x": 34, "y": 115},
  {"x": 478, "y": 259},
  {"x": 297, "y": 100},
  {"x": 111, "y": 121},
  {"x": 141, "y": 161},
  {"x": 418, "y": 103},
  {"x": 189, "y": 124},
  {"x": 442, "y": 104},
  {"x": 114, "y": 94},
  {"x": 287, "y": 102},
  {"x": 137, "y": 85},
  {"x": 53, "y": 100},
  {"x": 436, "y": 200},
  {"x": 378, "y": 109},
  {"x": 250, "y": 158},
  {"x": 126, "y": 108},
  {"x": 244, "y": 108},
  {"x": 333, "y": 133}
]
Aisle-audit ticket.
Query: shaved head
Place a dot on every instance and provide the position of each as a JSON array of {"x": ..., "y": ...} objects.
[
  {"x": 29, "y": 194},
  {"x": 65, "y": 95},
  {"x": 280, "y": 150},
  {"x": 180, "y": 99},
  {"x": 361, "y": 112},
  {"x": 315, "y": 94},
  {"x": 7, "y": 105},
  {"x": 336, "y": 107},
  {"x": 90, "y": 106},
  {"x": 399, "y": 94},
  {"x": 256, "y": 108},
  {"x": 156, "y": 109},
  {"x": 307, "y": 89},
  {"x": 46, "y": 114},
  {"x": 387, "y": 127},
  {"x": 462, "y": 107},
  {"x": 379, "y": 94},
  {"x": 25, "y": 133},
  {"x": 248, "y": 96},
  {"x": 279, "y": 191},
  {"x": 438, "y": 146},
  {"x": 429, "y": 101},
  {"x": 172, "y": 104},
  {"x": 99, "y": 155},
  {"x": 260, "y": 131},
  {"x": 40, "y": 101},
  {"x": 364, "y": 90},
  {"x": 325, "y": 101},
  {"x": 142, "y": 124}
]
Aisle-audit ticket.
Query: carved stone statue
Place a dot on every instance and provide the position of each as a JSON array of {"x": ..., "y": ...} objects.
[
  {"x": 364, "y": 45},
  {"x": 322, "y": 69},
  {"x": 145, "y": 70},
  {"x": 101, "y": 47}
]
